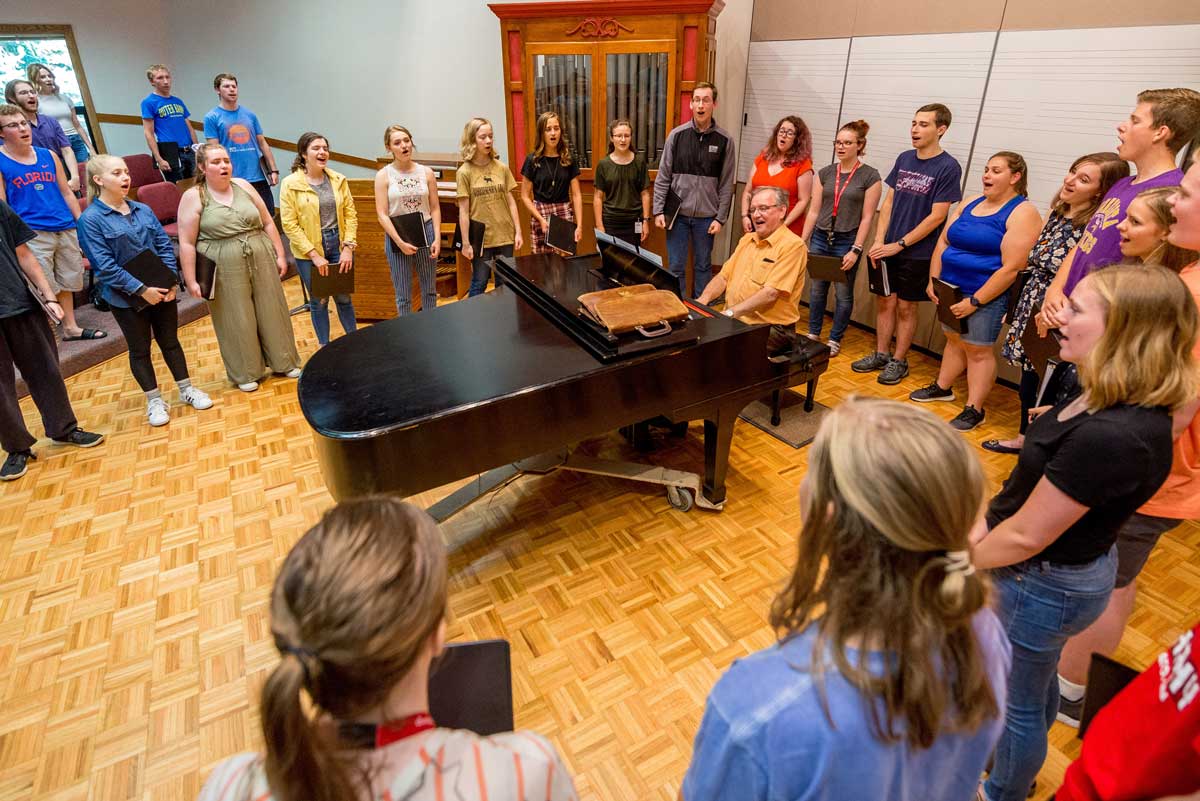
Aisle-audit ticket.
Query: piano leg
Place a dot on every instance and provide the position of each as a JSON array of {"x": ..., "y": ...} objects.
[{"x": 718, "y": 436}]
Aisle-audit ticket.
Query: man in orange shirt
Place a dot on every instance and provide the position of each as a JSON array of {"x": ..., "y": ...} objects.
[
  {"x": 1177, "y": 500},
  {"x": 762, "y": 279}
]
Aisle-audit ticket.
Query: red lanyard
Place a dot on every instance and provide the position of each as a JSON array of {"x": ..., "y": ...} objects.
[
  {"x": 371, "y": 735},
  {"x": 839, "y": 188}
]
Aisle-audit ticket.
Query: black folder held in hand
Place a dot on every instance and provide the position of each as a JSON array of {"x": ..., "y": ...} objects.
[
  {"x": 561, "y": 235},
  {"x": 206, "y": 275},
  {"x": 827, "y": 268},
  {"x": 948, "y": 294},
  {"x": 411, "y": 228},
  {"x": 333, "y": 282},
  {"x": 877, "y": 277},
  {"x": 152, "y": 271},
  {"x": 476, "y": 230},
  {"x": 671, "y": 206}
]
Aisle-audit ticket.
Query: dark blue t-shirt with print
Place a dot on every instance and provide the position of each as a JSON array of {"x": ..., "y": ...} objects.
[{"x": 918, "y": 184}]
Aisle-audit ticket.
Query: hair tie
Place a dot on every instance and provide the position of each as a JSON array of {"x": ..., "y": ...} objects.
[
  {"x": 302, "y": 656},
  {"x": 959, "y": 562}
]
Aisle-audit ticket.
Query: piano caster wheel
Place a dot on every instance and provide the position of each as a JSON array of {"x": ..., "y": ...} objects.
[{"x": 679, "y": 497}]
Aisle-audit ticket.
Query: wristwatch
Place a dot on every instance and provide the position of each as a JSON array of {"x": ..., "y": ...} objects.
[
  {"x": 857, "y": 249},
  {"x": 974, "y": 301},
  {"x": 728, "y": 312},
  {"x": 901, "y": 243}
]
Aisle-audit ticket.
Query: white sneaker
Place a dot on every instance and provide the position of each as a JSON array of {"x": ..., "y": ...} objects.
[
  {"x": 156, "y": 412},
  {"x": 293, "y": 373},
  {"x": 196, "y": 398},
  {"x": 249, "y": 386}
]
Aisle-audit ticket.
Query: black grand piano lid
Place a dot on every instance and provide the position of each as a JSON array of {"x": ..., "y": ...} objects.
[{"x": 552, "y": 285}]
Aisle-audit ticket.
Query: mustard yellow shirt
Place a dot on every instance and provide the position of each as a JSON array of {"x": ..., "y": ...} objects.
[{"x": 779, "y": 261}]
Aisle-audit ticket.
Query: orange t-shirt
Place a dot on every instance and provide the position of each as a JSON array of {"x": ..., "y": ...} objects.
[
  {"x": 1179, "y": 496},
  {"x": 784, "y": 179}
]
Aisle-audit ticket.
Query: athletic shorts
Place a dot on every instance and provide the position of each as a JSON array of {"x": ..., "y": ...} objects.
[
  {"x": 1135, "y": 541},
  {"x": 909, "y": 278}
]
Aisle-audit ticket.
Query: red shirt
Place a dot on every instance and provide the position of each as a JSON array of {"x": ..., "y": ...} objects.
[
  {"x": 1145, "y": 743},
  {"x": 784, "y": 179}
]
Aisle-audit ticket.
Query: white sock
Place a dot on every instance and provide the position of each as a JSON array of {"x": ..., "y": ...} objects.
[{"x": 1070, "y": 690}]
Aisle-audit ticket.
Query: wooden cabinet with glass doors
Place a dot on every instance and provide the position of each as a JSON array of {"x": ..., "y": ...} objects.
[{"x": 593, "y": 62}]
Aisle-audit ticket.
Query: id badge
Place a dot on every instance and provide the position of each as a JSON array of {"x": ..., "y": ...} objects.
[{"x": 637, "y": 227}]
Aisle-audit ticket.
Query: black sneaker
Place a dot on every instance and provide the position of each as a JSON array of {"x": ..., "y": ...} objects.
[
  {"x": 81, "y": 439},
  {"x": 894, "y": 372},
  {"x": 931, "y": 393},
  {"x": 870, "y": 363},
  {"x": 1069, "y": 712},
  {"x": 968, "y": 418},
  {"x": 14, "y": 466}
]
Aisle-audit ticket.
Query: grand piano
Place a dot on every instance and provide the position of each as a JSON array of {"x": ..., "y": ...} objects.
[{"x": 507, "y": 381}]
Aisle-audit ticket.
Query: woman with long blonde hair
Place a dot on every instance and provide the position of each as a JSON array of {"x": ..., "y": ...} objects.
[
  {"x": 53, "y": 103},
  {"x": 113, "y": 230},
  {"x": 484, "y": 194},
  {"x": 358, "y": 616},
  {"x": 225, "y": 219},
  {"x": 1087, "y": 465},
  {"x": 888, "y": 678}
]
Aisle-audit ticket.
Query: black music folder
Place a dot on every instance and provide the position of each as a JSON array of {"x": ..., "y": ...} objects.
[
  {"x": 170, "y": 154},
  {"x": 1015, "y": 291},
  {"x": 827, "y": 268},
  {"x": 206, "y": 275},
  {"x": 265, "y": 166},
  {"x": 877, "y": 277},
  {"x": 470, "y": 687},
  {"x": 671, "y": 208},
  {"x": 334, "y": 283},
  {"x": 411, "y": 228},
  {"x": 948, "y": 294},
  {"x": 475, "y": 232},
  {"x": 151, "y": 270},
  {"x": 561, "y": 235}
]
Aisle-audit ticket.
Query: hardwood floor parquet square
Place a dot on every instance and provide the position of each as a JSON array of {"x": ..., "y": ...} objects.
[{"x": 135, "y": 585}]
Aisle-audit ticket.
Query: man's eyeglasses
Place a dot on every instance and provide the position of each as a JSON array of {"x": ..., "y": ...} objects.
[{"x": 17, "y": 125}]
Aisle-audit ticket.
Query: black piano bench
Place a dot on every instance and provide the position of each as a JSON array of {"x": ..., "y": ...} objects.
[{"x": 804, "y": 364}]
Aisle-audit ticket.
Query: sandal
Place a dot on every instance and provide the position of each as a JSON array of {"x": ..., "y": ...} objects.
[
  {"x": 87, "y": 333},
  {"x": 995, "y": 446}
]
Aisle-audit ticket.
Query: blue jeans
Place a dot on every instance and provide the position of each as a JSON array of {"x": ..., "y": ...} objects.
[
  {"x": 402, "y": 270},
  {"x": 481, "y": 268},
  {"x": 81, "y": 152},
  {"x": 1040, "y": 605},
  {"x": 318, "y": 308},
  {"x": 690, "y": 231},
  {"x": 818, "y": 290}
]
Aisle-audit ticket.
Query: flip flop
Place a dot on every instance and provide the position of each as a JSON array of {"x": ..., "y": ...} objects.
[
  {"x": 994, "y": 446},
  {"x": 87, "y": 333}
]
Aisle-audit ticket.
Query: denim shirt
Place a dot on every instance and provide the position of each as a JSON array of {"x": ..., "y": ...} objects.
[{"x": 109, "y": 239}]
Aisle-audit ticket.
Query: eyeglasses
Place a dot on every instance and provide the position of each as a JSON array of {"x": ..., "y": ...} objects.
[
  {"x": 787, "y": 133},
  {"x": 17, "y": 125},
  {"x": 844, "y": 143},
  {"x": 757, "y": 209}
]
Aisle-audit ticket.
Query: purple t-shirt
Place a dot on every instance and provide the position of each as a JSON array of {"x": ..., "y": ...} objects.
[
  {"x": 1100, "y": 244},
  {"x": 917, "y": 184},
  {"x": 49, "y": 134}
]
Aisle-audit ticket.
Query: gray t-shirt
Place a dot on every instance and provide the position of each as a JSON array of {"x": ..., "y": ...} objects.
[
  {"x": 328, "y": 203},
  {"x": 853, "y": 193}
]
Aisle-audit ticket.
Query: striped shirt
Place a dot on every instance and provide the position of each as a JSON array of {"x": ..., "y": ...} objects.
[{"x": 441, "y": 765}]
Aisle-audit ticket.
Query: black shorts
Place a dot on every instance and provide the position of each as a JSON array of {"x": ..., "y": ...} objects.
[
  {"x": 909, "y": 278},
  {"x": 1135, "y": 541}
]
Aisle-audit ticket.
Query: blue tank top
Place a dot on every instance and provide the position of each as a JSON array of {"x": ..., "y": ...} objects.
[
  {"x": 972, "y": 254},
  {"x": 32, "y": 191}
]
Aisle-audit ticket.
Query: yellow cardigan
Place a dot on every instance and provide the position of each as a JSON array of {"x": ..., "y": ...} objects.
[{"x": 300, "y": 212}]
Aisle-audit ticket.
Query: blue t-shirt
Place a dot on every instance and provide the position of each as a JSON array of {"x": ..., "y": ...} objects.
[
  {"x": 972, "y": 251},
  {"x": 33, "y": 192},
  {"x": 765, "y": 735},
  {"x": 917, "y": 184},
  {"x": 170, "y": 116},
  {"x": 238, "y": 133}
]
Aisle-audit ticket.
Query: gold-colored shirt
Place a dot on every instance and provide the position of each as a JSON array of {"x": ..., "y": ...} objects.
[{"x": 779, "y": 261}]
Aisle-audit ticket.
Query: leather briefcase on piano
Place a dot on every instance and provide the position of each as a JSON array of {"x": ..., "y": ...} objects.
[{"x": 640, "y": 308}]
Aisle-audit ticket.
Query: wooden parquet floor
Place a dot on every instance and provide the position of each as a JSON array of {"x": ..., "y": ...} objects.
[{"x": 135, "y": 581}]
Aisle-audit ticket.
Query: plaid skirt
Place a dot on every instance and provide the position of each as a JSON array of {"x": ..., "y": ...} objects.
[{"x": 537, "y": 236}]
